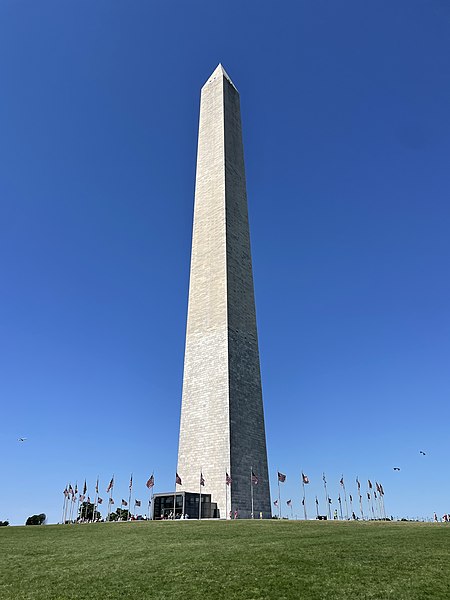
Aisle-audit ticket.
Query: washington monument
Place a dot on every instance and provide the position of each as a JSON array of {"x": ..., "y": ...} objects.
[{"x": 222, "y": 417}]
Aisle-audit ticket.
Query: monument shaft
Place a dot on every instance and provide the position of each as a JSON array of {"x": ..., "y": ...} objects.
[{"x": 222, "y": 418}]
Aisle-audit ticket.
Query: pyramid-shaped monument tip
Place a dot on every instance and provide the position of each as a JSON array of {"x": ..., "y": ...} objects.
[{"x": 220, "y": 71}]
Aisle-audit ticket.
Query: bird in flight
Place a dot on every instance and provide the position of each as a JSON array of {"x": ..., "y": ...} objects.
[
  {"x": 396, "y": 468},
  {"x": 422, "y": 452},
  {"x": 21, "y": 439}
]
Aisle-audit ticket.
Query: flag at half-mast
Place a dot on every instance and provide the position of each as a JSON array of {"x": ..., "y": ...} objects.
[
  {"x": 137, "y": 502},
  {"x": 358, "y": 484},
  {"x": 228, "y": 479},
  {"x": 178, "y": 479},
  {"x": 111, "y": 485},
  {"x": 202, "y": 480},
  {"x": 99, "y": 500},
  {"x": 254, "y": 478},
  {"x": 317, "y": 502},
  {"x": 370, "y": 484},
  {"x": 275, "y": 503},
  {"x": 289, "y": 502},
  {"x": 341, "y": 481},
  {"x": 150, "y": 482},
  {"x": 111, "y": 501},
  {"x": 281, "y": 477},
  {"x": 96, "y": 487},
  {"x": 124, "y": 502},
  {"x": 305, "y": 478}
]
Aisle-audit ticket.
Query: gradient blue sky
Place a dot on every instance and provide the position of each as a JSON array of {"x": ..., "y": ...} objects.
[{"x": 345, "y": 109}]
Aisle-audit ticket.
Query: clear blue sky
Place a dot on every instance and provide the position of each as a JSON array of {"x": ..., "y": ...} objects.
[{"x": 345, "y": 109}]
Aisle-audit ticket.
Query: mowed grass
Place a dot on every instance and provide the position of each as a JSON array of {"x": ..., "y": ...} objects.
[{"x": 237, "y": 559}]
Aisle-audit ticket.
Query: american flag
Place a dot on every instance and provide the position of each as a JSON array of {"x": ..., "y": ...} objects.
[
  {"x": 281, "y": 477},
  {"x": 178, "y": 480},
  {"x": 111, "y": 485},
  {"x": 111, "y": 501},
  {"x": 368, "y": 496},
  {"x": 317, "y": 502},
  {"x": 82, "y": 498},
  {"x": 254, "y": 478},
  {"x": 339, "y": 499},
  {"x": 89, "y": 500},
  {"x": 151, "y": 482},
  {"x": 342, "y": 481},
  {"x": 202, "y": 480},
  {"x": 370, "y": 484},
  {"x": 289, "y": 502},
  {"x": 137, "y": 502},
  {"x": 131, "y": 481},
  {"x": 351, "y": 498},
  {"x": 84, "y": 487},
  {"x": 381, "y": 490},
  {"x": 76, "y": 489},
  {"x": 124, "y": 502},
  {"x": 70, "y": 489},
  {"x": 275, "y": 503},
  {"x": 96, "y": 487},
  {"x": 228, "y": 479},
  {"x": 377, "y": 486},
  {"x": 305, "y": 478},
  {"x": 100, "y": 500},
  {"x": 358, "y": 484},
  {"x": 324, "y": 480},
  {"x": 65, "y": 492},
  {"x": 303, "y": 501}
]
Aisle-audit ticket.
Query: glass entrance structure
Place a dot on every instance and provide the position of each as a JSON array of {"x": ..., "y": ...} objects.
[{"x": 184, "y": 505}]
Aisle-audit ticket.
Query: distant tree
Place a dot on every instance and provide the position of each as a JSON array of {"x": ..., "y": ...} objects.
[
  {"x": 120, "y": 515},
  {"x": 86, "y": 512},
  {"x": 4, "y": 523},
  {"x": 36, "y": 520}
]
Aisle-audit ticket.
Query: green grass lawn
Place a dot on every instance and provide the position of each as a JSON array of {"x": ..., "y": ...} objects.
[{"x": 236, "y": 559}]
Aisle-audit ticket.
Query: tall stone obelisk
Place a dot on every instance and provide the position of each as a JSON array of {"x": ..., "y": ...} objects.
[{"x": 222, "y": 418}]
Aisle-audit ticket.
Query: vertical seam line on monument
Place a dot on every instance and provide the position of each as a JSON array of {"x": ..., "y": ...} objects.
[{"x": 227, "y": 280}]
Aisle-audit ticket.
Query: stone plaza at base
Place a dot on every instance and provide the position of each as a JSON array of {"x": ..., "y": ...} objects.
[{"x": 222, "y": 429}]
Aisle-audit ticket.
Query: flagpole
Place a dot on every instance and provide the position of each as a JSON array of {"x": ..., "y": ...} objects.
[
  {"x": 360, "y": 498},
  {"x": 64, "y": 506},
  {"x": 251, "y": 487},
  {"x": 150, "y": 494},
  {"x": 110, "y": 496},
  {"x": 327, "y": 498},
  {"x": 129, "y": 498},
  {"x": 95, "y": 501},
  {"x": 71, "y": 506},
  {"x": 279, "y": 495},
  {"x": 200, "y": 497},
  {"x": 78, "y": 504},
  {"x": 345, "y": 499},
  {"x": 226, "y": 496},
  {"x": 304, "y": 497}
]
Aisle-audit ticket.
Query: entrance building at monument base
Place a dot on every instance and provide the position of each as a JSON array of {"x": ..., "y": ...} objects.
[{"x": 184, "y": 503}]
